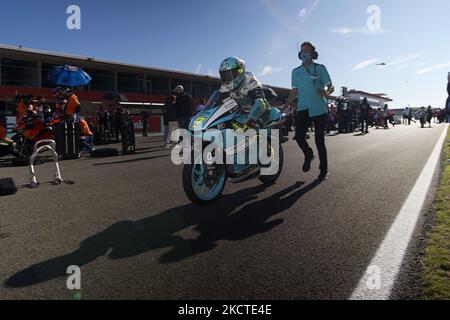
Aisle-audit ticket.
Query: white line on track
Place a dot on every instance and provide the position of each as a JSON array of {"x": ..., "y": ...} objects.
[{"x": 378, "y": 281}]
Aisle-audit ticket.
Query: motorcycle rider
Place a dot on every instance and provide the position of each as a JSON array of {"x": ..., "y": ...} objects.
[
  {"x": 22, "y": 103},
  {"x": 243, "y": 87}
]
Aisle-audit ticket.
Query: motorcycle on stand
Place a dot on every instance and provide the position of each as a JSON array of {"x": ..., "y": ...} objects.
[{"x": 27, "y": 133}]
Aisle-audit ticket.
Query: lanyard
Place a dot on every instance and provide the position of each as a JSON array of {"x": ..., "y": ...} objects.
[
  {"x": 315, "y": 71},
  {"x": 313, "y": 76}
]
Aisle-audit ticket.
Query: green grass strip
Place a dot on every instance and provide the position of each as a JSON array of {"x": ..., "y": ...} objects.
[{"x": 436, "y": 260}]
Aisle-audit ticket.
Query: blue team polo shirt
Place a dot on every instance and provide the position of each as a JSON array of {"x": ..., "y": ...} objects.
[{"x": 307, "y": 80}]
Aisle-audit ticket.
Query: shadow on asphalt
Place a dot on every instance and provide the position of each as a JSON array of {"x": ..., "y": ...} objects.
[
  {"x": 131, "y": 160},
  {"x": 4, "y": 235},
  {"x": 150, "y": 148},
  {"x": 127, "y": 239}
]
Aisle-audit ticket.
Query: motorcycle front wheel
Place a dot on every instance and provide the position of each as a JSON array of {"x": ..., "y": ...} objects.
[
  {"x": 204, "y": 184},
  {"x": 19, "y": 149}
]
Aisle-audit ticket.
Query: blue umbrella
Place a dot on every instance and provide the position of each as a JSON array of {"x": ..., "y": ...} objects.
[{"x": 69, "y": 76}]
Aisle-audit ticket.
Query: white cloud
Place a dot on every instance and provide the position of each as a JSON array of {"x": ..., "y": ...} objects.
[
  {"x": 303, "y": 12},
  {"x": 402, "y": 67},
  {"x": 199, "y": 68},
  {"x": 306, "y": 12},
  {"x": 346, "y": 31},
  {"x": 410, "y": 57},
  {"x": 268, "y": 70},
  {"x": 283, "y": 17},
  {"x": 423, "y": 64},
  {"x": 364, "y": 64},
  {"x": 434, "y": 68}
]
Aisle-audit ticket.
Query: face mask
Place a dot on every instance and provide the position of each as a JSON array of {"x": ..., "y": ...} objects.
[{"x": 306, "y": 58}]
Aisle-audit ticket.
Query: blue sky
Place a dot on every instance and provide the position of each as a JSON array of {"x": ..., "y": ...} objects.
[{"x": 196, "y": 35}]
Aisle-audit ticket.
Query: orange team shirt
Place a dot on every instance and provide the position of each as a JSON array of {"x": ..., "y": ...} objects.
[
  {"x": 85, "y": 131},
  {"x": 72, "y": 105},
  {"x": 3, "y": 133},
  {"x": 21, "y": 111}
]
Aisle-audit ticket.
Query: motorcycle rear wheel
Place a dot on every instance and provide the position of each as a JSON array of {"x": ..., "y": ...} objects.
[{"x": 269, "y": 180}]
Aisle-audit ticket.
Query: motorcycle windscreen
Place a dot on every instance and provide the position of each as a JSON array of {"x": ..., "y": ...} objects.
[{"x": 213, "y": 101}]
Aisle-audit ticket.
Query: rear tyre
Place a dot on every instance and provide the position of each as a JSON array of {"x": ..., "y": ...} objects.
[{"x": 269, "y": 180}]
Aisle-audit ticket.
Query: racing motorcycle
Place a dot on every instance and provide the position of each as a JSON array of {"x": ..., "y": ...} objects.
[
  {"x": 204, "y": 181},
  {"x": 31, "y": 130}
]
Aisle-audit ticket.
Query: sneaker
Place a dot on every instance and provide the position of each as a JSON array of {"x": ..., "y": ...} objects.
[
  {"x": 308, "y": 160},
  {"x": 323, "y": 176}
]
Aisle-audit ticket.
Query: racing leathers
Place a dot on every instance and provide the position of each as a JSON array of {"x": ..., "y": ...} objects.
[{"x": 250, "y": 96}]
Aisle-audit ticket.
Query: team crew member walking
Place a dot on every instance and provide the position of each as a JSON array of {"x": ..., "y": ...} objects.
[
  {"x": 73, "y": 105},
  {"x": 308, "y": 85}
]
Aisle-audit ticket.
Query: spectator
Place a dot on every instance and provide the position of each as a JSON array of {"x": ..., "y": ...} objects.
[
  {"x": 348, "y": 117},
  {"x": 5, "y": 143},
  {"x": 341, "y": 115},
  {"x": 86, "y": 136},
  {"x": 118, "y": 121},
  {"x": 168, "y": 119},
  {"x": 128, "y": 134},
  {"x": 308, "y": 84},
  {"x": 355, "y": 116},
  {"x": 102, "y": 116},
  {"x": 430, "y": 115},
  {"x": 365, "y": 111},
  {"x": 59, "y": 112},
  {"x": 409, "y": 115},
  {"x": 435, "y": 115},
  {"x": 73, "y": 105},
  {"x": 405, "y": 116},
  {"x": 330, "y": 121},
  {"x": 200, "y": 107},
  {"x": 388, "y": 116},
  {"x": 447, "y": 103},
  {"x": 447, "y": 109},
  {"x": 441, "y": 115},
  {"x": 184, "y": 107},
  {"x": 36, "y": 108},
  {"x": 290, "y": 122},
  {"x": 145, "y": 118},
  {"x": 422, "y": 115},
  {"x": 47, "y": 113}
]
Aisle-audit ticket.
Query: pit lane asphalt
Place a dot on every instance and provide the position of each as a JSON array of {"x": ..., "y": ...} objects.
[{"x": 127, "y": 223}]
